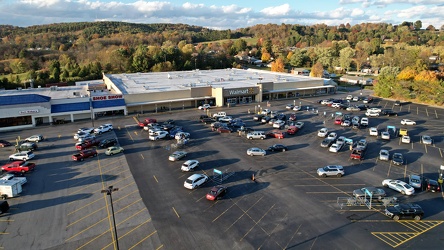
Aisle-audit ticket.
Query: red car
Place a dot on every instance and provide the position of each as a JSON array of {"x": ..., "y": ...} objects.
[
  {"x": 216, "y": 193},
  {"x": 292, "y": 130},
  {"x": 19, "y": 166},
  {"x": 87, "y": 144},
  {"x": 224, "y": 130},
  {"x": 338, "y": 120},
  {"x": 276, "y": 134},
  {"x": 292, "y": 117},
  {"x": 146, "y": 122},
  {"x": 4, "y": 143}
]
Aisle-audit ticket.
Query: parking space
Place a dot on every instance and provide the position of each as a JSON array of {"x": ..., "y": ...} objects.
[{"x": 63, "y": 202}]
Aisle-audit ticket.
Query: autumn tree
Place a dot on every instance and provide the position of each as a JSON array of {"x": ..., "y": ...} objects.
[
  {"x": 317, "y": 70},
  {"x": 346, "y": 57},
  {"x": 278, "y": 65},
  {"x": 407, "y": 74},
  {"x": 297, "y": 59}
]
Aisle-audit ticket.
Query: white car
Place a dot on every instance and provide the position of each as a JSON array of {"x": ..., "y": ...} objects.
[
  {"x": 341, "y": 140},
  {"x": 346, "y": 123},
  {"x": 86, "y": 137},
  {"x": 103, "y": 128},
  {"x": 195, "y": 180},
  {"x": 278, "y": 124},
  {"x": 323, "y": 132},
  {"x": 34, "y": 138},
  {"x": 189, "y": 165},
  {"x": 86, "y": 130},
  {"x": 405, "y": 139},
  {"x": 384, "y": 155},
  {"x": 226, "y": 119},
  {"x": 353, "y": 108},
  {"x": 297, "y": 108},
  {"x": 335, "y": 147},
  {"x": 22, "y": 156},
  {"x": 332, "y": 136},
  {"x": 256, "y": 151},
  {"x": 371, "y": 113},
  {"x": 373, "y": 131},
  {"x": 8, "y": 177},
  {"x": 407, "y": 122},
  {"x": 399, "y": 186},
  {"x": 335, "y": 105},
  {"x": 181, "y": 135},
  {"x": 289, "y": 106},
  {"x": 153, "y": 131},
  {"x": 415, "y": 181},
  {"x": 355, "y": 99},
  {"x": 364, "y": 121},
  {"x": 376, "y": 110},
  {"x": 158, "y": 135},
  {"x": 349, "y": 97},
  {"x": 205, "y": 106},
  {"x": 385, "y": 135},
  {"x": 266, "y": 111}
]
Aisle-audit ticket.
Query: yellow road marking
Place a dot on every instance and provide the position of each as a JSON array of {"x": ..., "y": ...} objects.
[
  {"x": 176, "y": 212},
  {"x": 135, "y": 132},
  {"x": 255, "y": 223},
  {"x": 141, "y": 155},
  {"x": 226, "y": 210},
  {"x": 3, "y": 233},
  {"x": 244, "y": 212},
  {"x": 118, "y": 127},
  {"x": 6, "y": 220},
  {"x": 142, "y": 240},
  {"x": 427, "y": 112},
  {"x": 161, "y": 246},
  {"x": 155, "y": 178},
  {"x": 425, "y": 147},
  {"x": 417, "y": 110},
  {"x": 130, "y": 232}
]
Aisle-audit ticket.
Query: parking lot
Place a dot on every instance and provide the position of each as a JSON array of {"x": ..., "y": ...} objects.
[{"x": 287, "y": 206}]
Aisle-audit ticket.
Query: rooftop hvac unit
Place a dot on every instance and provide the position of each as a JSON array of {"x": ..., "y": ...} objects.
[
  {"x": 19, "y": 88},
  {"x": 53, "y": 88}
]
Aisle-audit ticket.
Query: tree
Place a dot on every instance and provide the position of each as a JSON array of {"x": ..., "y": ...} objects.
[
  {"x": 239, "y": 45},
  {"x": 297, "y": 59},
  {"x": 278, "y": 65},
  {"x": 346, "y": 57},
  {"x": 386, "y": 81},
  {"x": 418, "y": 25},
  {"x": 317, "y": 70},
  {"x": 140, "y": 61},
  {"x": 265, "y": 57},
  {"x": 407, "y": 74}
]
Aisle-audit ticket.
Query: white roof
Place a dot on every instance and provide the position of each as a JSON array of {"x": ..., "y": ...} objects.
[{"x": 185, "y": 80}]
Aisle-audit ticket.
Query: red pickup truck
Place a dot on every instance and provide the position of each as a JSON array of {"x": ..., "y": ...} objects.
[
  {"x": 81, "y": 155},
  {"x": 19, "y": 166},
  {"x": 146, "y": 122},
  {"x": 357, "y": 154},
  {"x": 87, "y": 144}
]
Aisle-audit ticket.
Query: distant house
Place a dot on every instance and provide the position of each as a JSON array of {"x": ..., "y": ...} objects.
[
  {"x": 356, "y": 80},
  {"x": 300, "y": 71}
]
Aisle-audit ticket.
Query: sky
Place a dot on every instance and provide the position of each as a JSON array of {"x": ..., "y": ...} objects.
[{"x": 227, "y": 14}]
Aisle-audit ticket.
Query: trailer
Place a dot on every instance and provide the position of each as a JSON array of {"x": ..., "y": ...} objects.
[{"x": 10, "y": 188}]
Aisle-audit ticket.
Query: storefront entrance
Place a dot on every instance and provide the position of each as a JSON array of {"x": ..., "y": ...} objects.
[{"x": 239, "y": 100}]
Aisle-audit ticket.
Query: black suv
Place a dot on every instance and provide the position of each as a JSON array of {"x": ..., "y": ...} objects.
[
  {"x": 389, "y": 112},
  {"x": 432, "y": 185},
  {"x": 405, "y": 211},
  {"x": 107, "y": 143}
]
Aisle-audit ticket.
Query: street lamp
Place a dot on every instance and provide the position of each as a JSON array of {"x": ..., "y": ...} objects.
[{"x": 109, "y": 192}]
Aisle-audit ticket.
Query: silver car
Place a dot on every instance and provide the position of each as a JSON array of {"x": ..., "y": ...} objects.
[
  {"x": 384, "y": 155},
  {"x": 331, "y": 171},
  {"x": 425, "y": 139},
  {"x": 256, "y": 151}
]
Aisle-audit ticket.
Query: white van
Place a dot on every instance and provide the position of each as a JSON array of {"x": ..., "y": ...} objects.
[{"x": 256, "y": 135}]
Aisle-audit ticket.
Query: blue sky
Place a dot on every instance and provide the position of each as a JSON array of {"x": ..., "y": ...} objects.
[{"x": 227, "y": 14}]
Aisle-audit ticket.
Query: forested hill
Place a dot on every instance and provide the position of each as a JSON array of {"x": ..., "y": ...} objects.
[{"x": 102, "y": 29}]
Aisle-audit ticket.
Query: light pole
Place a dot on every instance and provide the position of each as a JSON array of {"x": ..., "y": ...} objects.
[{"x": 109, "y": 192}]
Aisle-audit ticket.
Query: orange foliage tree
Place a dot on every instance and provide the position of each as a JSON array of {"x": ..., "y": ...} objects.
[{"x": 278, "y": 65}]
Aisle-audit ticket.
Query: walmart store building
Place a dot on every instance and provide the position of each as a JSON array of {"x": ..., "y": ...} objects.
[{"x": 140, "y": 93}]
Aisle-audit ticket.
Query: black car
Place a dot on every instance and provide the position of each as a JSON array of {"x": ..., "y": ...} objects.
[
  {"x": 107, "y": 143},
  {"x": 208, "y": 120},
  {"x": 389, "y": 113},
  {"x": 356, "y": 125},
  {"x": 327, "y": 142},
  {"x": 343, "y": 106},
  {"x": 201, "y": 117},
  {"x": 258, "y": 117},
  {"x": 278, "y": 147},
  {"x": 405, "y": 211},
  {"x": 362, "y": 107},
  {"x": 265, "y": 119},
  {"x": 245, "y": 129},
  {"x": 237, "y": 124},
  {"x": 398, "y": 159},
  {"x": 281, "y": 117},
  {"x": 432, "y": 185},
  {"x": 397, "y": 103},
  {"x": 167, "y": 126}
]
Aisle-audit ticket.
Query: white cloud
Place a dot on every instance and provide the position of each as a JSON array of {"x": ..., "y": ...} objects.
[
  {"x": 281, "y": 10},
  {"x": 356, "y": 12}
]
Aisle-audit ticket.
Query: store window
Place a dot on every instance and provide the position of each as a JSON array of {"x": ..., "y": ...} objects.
[{"x": 15, "y": 121}]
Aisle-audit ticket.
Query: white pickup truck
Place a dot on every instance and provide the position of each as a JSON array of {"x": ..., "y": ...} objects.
[
  {"x": 373, "y": 131},
  {"x": 220, "y": 114}
]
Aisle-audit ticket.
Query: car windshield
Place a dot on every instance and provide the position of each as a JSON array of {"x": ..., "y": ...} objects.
[
  {"x": 407, "y": 186},
  {"x": 415, "y": 180},
  {"x": 213, "y": 192},
  {"x": 189, "y": 181}
]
